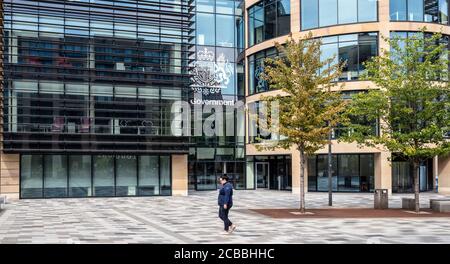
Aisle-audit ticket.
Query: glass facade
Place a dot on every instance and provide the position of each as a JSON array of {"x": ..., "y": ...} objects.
[
  {"x": 269, "y": 172},
  {"x": 352, "y": 49},
  {"x": 403, "y": 176},
  {"x": 217, "y": 86},
  {"x": 350, "y": 173},
  {"x": 268, "y": 19},
  {"x": 433, "y": 11},
  {"x": 324, "y": 13},
  {"x": 94, "y": 75},
  {"x": 59, "y": 176}
]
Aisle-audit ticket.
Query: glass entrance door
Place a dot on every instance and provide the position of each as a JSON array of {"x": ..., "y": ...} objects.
[{"x": 262, "y": 174}]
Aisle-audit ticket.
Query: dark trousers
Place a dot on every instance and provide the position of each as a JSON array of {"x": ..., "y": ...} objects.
[{"x": 223, "y": 214}]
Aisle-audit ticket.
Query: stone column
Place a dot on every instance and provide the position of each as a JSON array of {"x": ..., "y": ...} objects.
[
  {"x": 179, "y": 175},
  {"x": 9, "y": 175},
  {"x": 444, "y": 175},
  {"x": 383, "y": 171}
]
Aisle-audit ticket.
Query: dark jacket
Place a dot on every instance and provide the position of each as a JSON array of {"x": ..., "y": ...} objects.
[{"x": 226, "y": 195}]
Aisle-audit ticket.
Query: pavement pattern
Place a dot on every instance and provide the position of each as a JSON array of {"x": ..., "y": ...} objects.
[{"x": 194, "y": 219}]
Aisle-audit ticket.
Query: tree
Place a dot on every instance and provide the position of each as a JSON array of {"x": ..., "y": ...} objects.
[
  {"x": 411, "y": 102},
  {"x": 307, "y": 109}
]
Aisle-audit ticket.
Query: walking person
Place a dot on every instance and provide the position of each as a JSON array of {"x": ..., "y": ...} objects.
[{"x": 225, "y": 201}]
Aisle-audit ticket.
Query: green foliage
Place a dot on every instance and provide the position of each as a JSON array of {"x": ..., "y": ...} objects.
[
  {"x": 412, "y": 103},
  {"x": 307, "y": 110}
]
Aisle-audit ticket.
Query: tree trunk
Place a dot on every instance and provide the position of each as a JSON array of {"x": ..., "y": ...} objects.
[
  {"x": 302, "y": 181},
  {"x": 416, "y": 185}
]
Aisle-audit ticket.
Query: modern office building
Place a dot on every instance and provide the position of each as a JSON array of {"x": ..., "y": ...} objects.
[{"x": 88, "y": 89}]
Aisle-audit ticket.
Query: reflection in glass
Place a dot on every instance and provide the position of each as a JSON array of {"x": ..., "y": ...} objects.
[
  {"x": 148, "y": 175},
  {"x": 126, "y": 175},
  {"x": 165, "y": 188},
  {"x": 31, "y": 180},
  {"x": 310, "y": 14},
  {"x": 347, "y": 11},
  {"x": 327, "y": 12},
  {"x": 80, "y": 176},
  {"x": 104, "y": 176},
  {"x": 55, "y": 176}
]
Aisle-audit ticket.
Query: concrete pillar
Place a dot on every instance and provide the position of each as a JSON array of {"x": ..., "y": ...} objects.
[
  {"x": 383, "y": 171},
  {"x": 296, "y": 173},
  {"x": 9, "y": 175},
  {"x": 444, "y": 175},
  {"x": 295, "y": 15},
  {"x": 179, "y": 175}
]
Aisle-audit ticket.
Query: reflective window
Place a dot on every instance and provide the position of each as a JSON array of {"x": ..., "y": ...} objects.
[
  {"x": 327, "y": 12},
  {"x": 225, "y": 25},
  {"x": 126, "y": 175},
  {"x": 309, "y": 14},
  {"x": 347, "y": 11},
  {"x": 434, "y": 11},
  {"x": 415, "y": 10},
  {"x": 323, "y": 13},
  {"x": 367, "y": 10},
  {"x": 350, "y": 172},
  {"x": 205, "y": 29},
  {"x": 268, "y": 19},
  {"x": 80, "y": 176},
  {"x": 31, "y": 180},
  {"x": 103, "y": 176},
  {"x": 353, "y": 50},
  {"x": 47, "y": 176},
  {"x": 148, "y": 175}
]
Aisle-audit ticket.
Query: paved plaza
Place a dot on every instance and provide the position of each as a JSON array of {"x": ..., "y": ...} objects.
[{"x": 193, "y": 219}]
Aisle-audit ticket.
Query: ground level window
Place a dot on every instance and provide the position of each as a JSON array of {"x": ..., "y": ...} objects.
[
  {"x": 350, "y": 173},
  {"x": 48, "y": 176}
]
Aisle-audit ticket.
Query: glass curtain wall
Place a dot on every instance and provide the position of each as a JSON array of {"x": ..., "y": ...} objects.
[
  {"x": 217, "y": 85},
  {"x": 324, "y": 13},
  {"x": 433, "y": 11},
  {"x": 48, "y": 176},
  {"x": 81, "y": 74},
  {"x": 353, "y": 49},
  {"x": 268, "y": 19}
]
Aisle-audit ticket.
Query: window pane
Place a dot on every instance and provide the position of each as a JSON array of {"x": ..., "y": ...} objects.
[
  {"x": 397, "y": 9},
  {"x": 103, "y": 176},
  {"x": 348, "y": 53},
  {"x": 347, "y": 11},
  {"x": 148, "y": 175},
  {"x": 310, "y": 14},
  {"x": 31, "y": 176},
  {"x": 79, "y": 176},
  {"x": 431, "y": 11},
  {"x": 225, "y": 25},
  {"x": 270, "y": 13},
  {"x": 283, "y": 17},
  {"x": 224, "y": 6},
  {"x": 322, "y": 172},
  {"x": 55, "y": 176},
  {"x": 205, "y": 6},
  {"x": 258, "y": 26},
  {"x": 366, "y": 172},
  {"x": 367, "y": 10},
  {"x": 166, "y": 188},
  {"x": 205, "y": 29},
  {"x": 443, "y": 11},
  {"x": 348, "y": 175},
  {"x": 415, "y": 10},
  {"x": 327, "y": 12},
  {"x": 126, "y": 175}
]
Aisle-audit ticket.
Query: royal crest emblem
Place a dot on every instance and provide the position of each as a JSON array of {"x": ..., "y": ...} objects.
[{"x": 210, "y": 76}]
